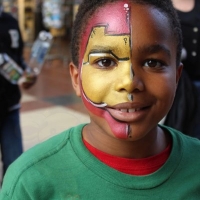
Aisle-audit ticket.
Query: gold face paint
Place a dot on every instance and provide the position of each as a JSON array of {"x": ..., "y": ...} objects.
[{"x": 107, "y": 68}]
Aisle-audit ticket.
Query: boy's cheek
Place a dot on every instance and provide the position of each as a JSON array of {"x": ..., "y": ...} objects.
[
  {"x": 95, "y": 87},
  {"x": 102, "y": 86}
]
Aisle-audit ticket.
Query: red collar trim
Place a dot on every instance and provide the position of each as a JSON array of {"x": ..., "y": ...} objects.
[{"x": 136, "y": 167}]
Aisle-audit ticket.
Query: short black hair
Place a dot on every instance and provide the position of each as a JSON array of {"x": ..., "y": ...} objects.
[{"x": 88, "y": 7}]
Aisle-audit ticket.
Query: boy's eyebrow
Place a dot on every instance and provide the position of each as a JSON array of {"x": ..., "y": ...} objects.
[
  {"x": 151, "y": 49},
  {"x": 101, "y": 49},
  {"x": 105, "y": 49}
]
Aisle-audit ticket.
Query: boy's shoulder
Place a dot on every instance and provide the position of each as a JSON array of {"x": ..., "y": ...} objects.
[
  {"x": 187, "y": 143},
  {"x": 44, "y": 152},
  {"x": 48, "y": 147}
]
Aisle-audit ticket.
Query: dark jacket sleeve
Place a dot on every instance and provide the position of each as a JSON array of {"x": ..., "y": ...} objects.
[
  {"x": 11, "y": 43},
  {"x": 184, "y": 108}
]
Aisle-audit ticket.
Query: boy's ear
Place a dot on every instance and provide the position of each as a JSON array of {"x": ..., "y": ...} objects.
[
  {"x": 73, "y": 69},
  {"x": 178, "y": 72}
]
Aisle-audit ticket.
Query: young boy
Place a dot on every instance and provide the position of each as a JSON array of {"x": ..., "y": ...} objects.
[{"x": 126, "y": 67}]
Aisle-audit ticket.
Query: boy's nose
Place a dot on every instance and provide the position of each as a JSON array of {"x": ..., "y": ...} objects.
[{"x": 129, "y": 80}]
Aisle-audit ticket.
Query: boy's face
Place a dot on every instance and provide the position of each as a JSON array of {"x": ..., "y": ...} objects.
[{"x": 128, "y": 73}]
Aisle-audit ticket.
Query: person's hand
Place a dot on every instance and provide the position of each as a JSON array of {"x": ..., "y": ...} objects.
[{"x": 29, "y": 80}]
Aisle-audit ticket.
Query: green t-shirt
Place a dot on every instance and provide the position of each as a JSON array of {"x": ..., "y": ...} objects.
[{"x": 62, "y": 168}]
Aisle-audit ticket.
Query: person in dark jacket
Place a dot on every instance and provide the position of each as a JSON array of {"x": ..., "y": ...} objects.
[
  {"x": 11, "y": 44},
  {"x": 185, "y": 112}
]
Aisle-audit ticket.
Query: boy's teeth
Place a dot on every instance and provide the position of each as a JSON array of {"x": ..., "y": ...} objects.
[
  {"x": 132, "y": 110},
  {"x": 129, "y": 110},
  {"x": 124, "y": 110}
]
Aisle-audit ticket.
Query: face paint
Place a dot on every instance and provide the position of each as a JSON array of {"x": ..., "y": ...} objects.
[
  {"x": 115, "y": 17},
  {"x": 105, "y": 56},
  {"x": 98, "y": 66},
  {"x": 130, "y": 97}
]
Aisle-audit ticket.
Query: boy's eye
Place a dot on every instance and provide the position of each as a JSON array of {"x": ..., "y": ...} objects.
[
  {"x": 105, "y": 63},
  {"x": 153, "y": 64}
]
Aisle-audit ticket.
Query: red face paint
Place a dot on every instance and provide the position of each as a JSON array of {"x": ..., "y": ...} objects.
[{"x": 115, "y": 18}]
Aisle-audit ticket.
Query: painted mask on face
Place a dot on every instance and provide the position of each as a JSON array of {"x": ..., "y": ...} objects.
[{"x": 105, "y": 56}]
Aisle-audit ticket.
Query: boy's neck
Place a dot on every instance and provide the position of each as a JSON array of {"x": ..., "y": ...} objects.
[{"x": 153, "y": 145}]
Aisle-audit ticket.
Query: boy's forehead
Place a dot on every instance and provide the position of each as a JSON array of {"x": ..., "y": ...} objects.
[{"x": 114, "y": 17}]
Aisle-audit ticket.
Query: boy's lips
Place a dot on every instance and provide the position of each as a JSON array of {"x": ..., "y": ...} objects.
[{"x": 128, "y": 112}]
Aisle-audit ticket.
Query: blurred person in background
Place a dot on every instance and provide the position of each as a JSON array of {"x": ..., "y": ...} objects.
[
  {"x": 10, "y": 133},
  {"x": 185, "y": 112}
]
